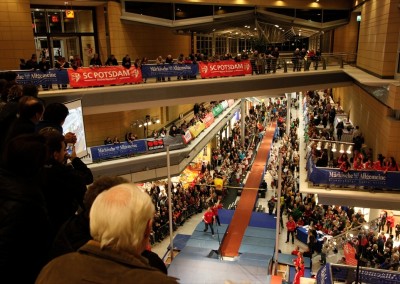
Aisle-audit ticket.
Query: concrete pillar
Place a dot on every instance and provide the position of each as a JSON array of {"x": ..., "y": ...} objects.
[{"x": 373, "y": 214}]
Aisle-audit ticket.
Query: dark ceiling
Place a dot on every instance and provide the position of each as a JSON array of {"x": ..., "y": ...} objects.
[{"x": 274, "y": 24}]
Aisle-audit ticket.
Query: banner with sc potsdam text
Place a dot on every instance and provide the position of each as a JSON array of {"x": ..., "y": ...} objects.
[
  {"x": 225, "y": 68},
  {"x": 100, "y": 76},
  {"x": 169, "y": 70},
  {"x": 376, "y": 179}
]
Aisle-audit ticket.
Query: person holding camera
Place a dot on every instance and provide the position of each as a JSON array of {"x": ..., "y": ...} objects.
[{"x": 64, "y": 183}]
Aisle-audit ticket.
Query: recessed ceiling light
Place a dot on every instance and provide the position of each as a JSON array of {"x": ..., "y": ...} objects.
[{"x": 277, "y": 26}]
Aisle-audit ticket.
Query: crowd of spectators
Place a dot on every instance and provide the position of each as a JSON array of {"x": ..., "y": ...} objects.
[
  {"x": 373, "y": 247},
  {"x": 320, "y": 118},
  {"x": 42, "y": 185},
  {"x": 261, "y": 62},
  {"x": 229, "y": 163}
]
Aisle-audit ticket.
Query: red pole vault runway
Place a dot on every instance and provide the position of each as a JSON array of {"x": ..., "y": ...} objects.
[{"x": 241, "y": 218}]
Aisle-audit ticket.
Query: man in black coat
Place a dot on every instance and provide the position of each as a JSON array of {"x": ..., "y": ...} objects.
[
  {"x": 24, "y": 223},
  {"x": 65, "y": 184}
]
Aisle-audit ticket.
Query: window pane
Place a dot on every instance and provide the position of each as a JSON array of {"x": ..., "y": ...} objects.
[
  {"x": 84, "y": 21},
  {"x": 55, "y": 18},
  {"x": 38, "y": 21}
]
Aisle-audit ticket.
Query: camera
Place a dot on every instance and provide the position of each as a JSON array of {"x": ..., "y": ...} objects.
[{"x": 69, "y": 148}]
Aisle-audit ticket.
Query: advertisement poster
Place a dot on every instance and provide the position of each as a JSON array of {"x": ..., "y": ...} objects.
[
  {"x": 100, "y": 76},
  {"x": 224, "y": 68}
]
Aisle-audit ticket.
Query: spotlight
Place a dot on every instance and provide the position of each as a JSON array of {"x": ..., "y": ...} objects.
[
  {"x": 334, "y": 147},
  {"x": 341, "y": 151},
  {"x": 319, "y": 146},
  {"x": 349, "y": 149}
]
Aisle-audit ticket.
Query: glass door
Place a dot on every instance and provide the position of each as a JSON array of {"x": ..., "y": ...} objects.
[{"x": 65, "y": 46}]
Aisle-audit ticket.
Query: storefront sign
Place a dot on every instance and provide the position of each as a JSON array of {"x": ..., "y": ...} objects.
[
  {"x": 118, "y": 150},
  {"x": 224, "y": 68},
  {"x": 69, "y": 14},
  {"x": 169, "y": 70},
  {"x": 99, "y": 76},
  {"x": 208, "y": 119},
  {"x": 52, "y": 76}
]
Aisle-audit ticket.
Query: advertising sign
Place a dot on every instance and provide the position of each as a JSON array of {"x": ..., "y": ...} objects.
[
  {"x": 99, "y": 76},
  {"x": 196, "y": 129},
  {"x": 208, "y": 119},
  {"x": 155, "y": 144},
  {"x": 224, "y": 68},
  {"x": 169, "y": 70},
  {"x": 118, "y": 150},
  {"x": 52, "y": 76},
  {"x": 324, "y": 275},
  {"x": 330, "y": 176},
  {"x": 187, "y": 137},
  {"x": 217, "y": 110}
]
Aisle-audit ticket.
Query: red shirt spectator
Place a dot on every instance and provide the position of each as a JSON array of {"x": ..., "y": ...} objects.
[
  {"x": 215, "y": 208},
  {"x": 208, "y": 217},
  {"x": 291, "y": 225}
]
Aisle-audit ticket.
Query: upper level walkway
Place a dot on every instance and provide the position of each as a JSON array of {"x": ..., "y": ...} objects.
[{"x": 140, "y": 96}]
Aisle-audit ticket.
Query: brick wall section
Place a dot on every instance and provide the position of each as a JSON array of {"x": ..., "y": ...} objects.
[
  {"x": 379, "y": 36},
  {"x": 16, "y": 33}
]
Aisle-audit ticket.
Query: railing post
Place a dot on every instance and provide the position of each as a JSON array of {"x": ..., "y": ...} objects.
[
  {"x": 284, "y": 66},
  {"x": 323, "y": 63},
  {"x": 341, "y": 62},
  {"x": 307, "y": 65}
]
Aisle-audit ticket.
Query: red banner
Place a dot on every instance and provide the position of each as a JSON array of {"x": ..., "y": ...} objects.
[
  {"x": 224, "y": 68},
  {"x": 208, "y": 119},
  {"x": 350, "y": 254},
  {"x": 99, "y": 76}
]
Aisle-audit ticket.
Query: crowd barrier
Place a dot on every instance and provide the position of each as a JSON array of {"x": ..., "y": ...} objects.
[
  {"x": 154, "y": 145},
  {"x": 331, "y": 176},
  {"x": 117, "y": 75},
  {"x": 333, "y": 273}
]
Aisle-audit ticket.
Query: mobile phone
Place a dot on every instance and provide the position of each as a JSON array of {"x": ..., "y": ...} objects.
[{"x": 69, "y": 148}]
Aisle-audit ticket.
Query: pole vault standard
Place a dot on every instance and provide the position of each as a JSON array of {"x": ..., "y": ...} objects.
[{"x": 278, "y": 212}]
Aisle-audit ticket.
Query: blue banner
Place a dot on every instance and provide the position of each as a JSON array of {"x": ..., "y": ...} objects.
[
  {"x": 324, "y": 275},
  {"x": 330, "y": 176},
  {"x": 169, "y": 70},
  {"x": 118, "y": 150},
  {"x": 366, "y": 275},
  {"x": 53, "y": 76}
]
